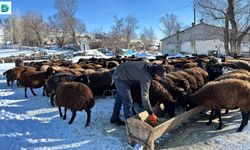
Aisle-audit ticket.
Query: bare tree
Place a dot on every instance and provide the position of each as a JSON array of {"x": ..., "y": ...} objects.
[
  {"x": 169, "y": 24},
  {"x": 131, "y": 24},
  {"x": 67, "y": 20},
  {"x": 34, "y": 28},
  {"x": 79, "y": 29},
  {"x": 18, "y": 28},
  {"x": 13, "y": 28},
  {"x": 5, "y": 23},
  {"x": 115, "y": 40},
  {"x": 57, "y": 30},
  {"x": 102, "y": 37},
  {"x": 147, "y": 37},
  {"x": 215, "y": 12},
  {"x": 232, "y": 15}
]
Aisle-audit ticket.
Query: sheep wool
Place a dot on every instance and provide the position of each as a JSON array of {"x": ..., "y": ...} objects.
[
  {"x": 74, "y": 95},
  {"x": 229, "y": 93}
]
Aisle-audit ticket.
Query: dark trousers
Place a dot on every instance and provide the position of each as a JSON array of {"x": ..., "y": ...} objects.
[{"x": 123, "y": 97}]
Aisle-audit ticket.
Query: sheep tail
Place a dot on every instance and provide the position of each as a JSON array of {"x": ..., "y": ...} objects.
[{"x": 5, "y": 73}]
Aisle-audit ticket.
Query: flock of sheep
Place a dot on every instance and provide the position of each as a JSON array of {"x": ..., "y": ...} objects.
[{"x": 190, "y": 81}]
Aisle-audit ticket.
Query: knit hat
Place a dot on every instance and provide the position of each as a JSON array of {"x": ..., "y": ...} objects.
[{"x": 156, "y": 69}]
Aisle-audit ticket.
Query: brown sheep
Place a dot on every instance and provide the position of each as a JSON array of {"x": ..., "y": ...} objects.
[
  {"x": 190, "y": 65},
  {"x": 34, "y": 79},
  {"x": 89, "y": 71},
  {"x": 169, "y": 68},
  {"x": 237, "y": 64},
  {"x": 76, "y": 97},
  {"x": 192, "y": 81},
  {"x": 202, "y": 72},
  {"x": 242, "y": 71},
  {"x": 172, "y": 87},
  {"x": 44, "y": 67},
  {"x": 87, "y": 66},
  {"x": 234, "y": 76},
  {"x": 197, "y": 75},
  {"x": 99, "y": 82},
  {"x": 14, "y": 74},
  {"x": 51, "y": 84},
  {"x": 157, "y": 95},
  {"x": 178, "y": 79},
  {"x": 226, "y": 94}
]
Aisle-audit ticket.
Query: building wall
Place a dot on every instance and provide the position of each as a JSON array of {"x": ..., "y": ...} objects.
[
  {"x": 207, "y": 38},
  {"x": 202, "y": 47},
  {"x": 245, "y": 46},
  {"x": 204, "y": 35}
]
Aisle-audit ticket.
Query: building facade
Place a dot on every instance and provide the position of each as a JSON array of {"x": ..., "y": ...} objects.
[{"x": 201, "y": 39}]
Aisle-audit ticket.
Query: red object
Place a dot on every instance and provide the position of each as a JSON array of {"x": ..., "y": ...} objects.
[{"x": 153, "y": 119}]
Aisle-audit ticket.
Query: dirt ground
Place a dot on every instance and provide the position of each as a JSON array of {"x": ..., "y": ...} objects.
[{"x": 195, "y": 134}]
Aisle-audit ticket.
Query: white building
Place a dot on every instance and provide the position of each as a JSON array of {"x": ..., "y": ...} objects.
[{"x": 201, "y": 40}]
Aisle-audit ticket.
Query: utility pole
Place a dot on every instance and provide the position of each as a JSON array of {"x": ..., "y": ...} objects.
[{"x": 194, "y": 40}]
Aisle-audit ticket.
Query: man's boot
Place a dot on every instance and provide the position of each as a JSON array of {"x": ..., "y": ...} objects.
[{"x": 116, "y": 119}]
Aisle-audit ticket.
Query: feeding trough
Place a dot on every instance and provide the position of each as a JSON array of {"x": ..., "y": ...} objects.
[{"x": 139, "y": 131}]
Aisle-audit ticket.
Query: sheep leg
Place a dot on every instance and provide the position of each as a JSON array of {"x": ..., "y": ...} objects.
[
  {"x": 211, "y": 117},
  {"x": 104, "y": 93},
  {"x": 25, "y": 92},
  {"x": 247, "y": 117},
  {"x": 169, "y": 108},
  {"x": 32, "y": 91},
  {"x": 73, "y": 116},
  {"x": 227, "y": 110},
  {"x": 60, "y": 112},
  {"x": 243, "y": 122},
  {"x": 52, "y": 99},
  {"x": 88, "y": 117},
  {"x": 17, "y": 83},
  {"x": 218, "y": 113},
  {"x": 65, "y": 111},
  {"x": 44, "y": 90}
]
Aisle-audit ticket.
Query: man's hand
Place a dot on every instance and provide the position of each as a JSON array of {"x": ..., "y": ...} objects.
[{"x": 153, "y": 119}]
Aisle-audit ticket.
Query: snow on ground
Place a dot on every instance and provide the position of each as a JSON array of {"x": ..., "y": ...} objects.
[
  {"x": 14, "y": 52},
  {"x": 31, "y": 123},
  {"x": 17, "y": 52}
]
